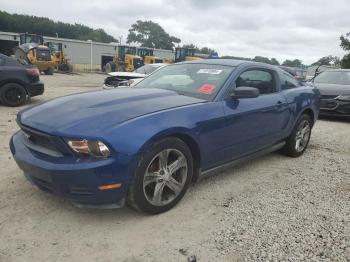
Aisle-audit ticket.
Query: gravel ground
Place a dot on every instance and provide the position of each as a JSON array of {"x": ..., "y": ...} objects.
[{"x": 274, "y": 208}]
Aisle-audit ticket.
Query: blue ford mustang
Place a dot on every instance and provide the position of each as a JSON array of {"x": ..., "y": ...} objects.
[{"x": 144, "y": 145}]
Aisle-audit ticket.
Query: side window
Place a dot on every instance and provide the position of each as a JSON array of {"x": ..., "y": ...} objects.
[
  {"x": 288, "y": 82},
  {"x": 260, "y": 79}
]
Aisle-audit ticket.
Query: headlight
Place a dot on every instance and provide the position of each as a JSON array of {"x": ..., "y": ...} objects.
[
  {"x": 344, "y": 98},
  {"x": 93, "y": 148}
]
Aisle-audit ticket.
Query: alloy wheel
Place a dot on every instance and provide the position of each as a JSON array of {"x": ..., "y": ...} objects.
[
  {"x": 165, "y": 177},
  {"x": 302, "y": 136}
]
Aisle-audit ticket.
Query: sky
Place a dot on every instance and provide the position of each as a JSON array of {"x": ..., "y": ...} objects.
[{"x": 296, "y": 29}]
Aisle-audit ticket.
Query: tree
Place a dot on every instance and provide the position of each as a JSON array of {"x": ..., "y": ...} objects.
[
  {"x": 328, "y": 60},
  {"x": 150, "y": 34},
  {"x": 235, "y": 57},
  {"x": 45, "y": 26},
  {"x": 266, "y": 60},
  {"x": 274, "y": 61},
  {"x": 261, "y": 59},
  {"x": 191, "y": 46},
  {"x": 202, "y": 50},
  {"x": 207, "y": 50},
  {"x": 345, "y": 62},
  {"x": 345, "y": 42},
  {"x": 293, "y": 63}
]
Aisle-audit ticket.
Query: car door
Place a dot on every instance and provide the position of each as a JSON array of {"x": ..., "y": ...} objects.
[{"x": 255, "y": 123}]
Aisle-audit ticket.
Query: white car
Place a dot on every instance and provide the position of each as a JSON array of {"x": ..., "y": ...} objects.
[{"x": 126, "y": 79}]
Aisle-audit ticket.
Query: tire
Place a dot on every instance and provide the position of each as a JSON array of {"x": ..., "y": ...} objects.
[
  {"x": 63, "y": 68},
  {"x": 13, "y": 94},
  {"x": 109, "y": 67},
  {"x": 298, "y": 140},
  {"x": 152, "y": 173},
  {"x": 49, "y": 71}
]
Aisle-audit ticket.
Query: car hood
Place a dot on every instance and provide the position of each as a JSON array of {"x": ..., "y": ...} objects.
[
  {"x": 92, "y": 112},
  {"x": 332, "y": 89},
  {"x": 127, "y": 74}
]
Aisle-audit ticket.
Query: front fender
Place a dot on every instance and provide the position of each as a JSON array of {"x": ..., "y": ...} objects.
[{"x": 173, "y": 131}]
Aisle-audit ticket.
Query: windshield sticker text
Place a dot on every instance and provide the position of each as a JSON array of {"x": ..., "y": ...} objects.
[{"x": 209, "y": 71}]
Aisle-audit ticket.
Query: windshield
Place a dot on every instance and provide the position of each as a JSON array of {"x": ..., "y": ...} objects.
[
  {"x": 333, "y": 77},
  {"x": 196, "y": 80}
]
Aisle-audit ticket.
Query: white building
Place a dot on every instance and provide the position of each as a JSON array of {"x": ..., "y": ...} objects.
[{"x": 81, "y": 54}]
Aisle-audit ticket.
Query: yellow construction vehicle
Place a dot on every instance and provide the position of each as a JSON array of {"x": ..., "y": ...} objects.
[
  {"x": 58, "y": 57},
  {"x": 185, "y": 54},
  {"x": 32, "y": 51},
  {"x": 147, "y": 56},
  {"x": 125, "y": 60}
]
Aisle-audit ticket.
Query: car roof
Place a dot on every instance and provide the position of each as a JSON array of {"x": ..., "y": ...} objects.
[
  {"x": 337, "y": 70},
  {"x": 157, "y": 64},
  {"x": 225, "y": 62}
]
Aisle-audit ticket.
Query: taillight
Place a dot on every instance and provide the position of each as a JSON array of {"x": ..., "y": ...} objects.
[{"x": 32, "y": 71}]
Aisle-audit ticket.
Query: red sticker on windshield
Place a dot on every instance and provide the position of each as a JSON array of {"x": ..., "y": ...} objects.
[{"x": 206, "y": 89}]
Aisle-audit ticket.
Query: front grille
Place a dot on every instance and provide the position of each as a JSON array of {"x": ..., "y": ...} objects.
[
  {"x": 40, "y": 142},
  {"x": 80, "y": 190}
]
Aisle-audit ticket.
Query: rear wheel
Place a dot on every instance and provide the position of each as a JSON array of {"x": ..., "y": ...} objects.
[
  {"x": 162, "y": 177},
  {"x": 49, "y": 71},
  {"x": 13, "y": 94},
  {"x": 298, "y": 141},
  {"x": 64, "y": 68}
]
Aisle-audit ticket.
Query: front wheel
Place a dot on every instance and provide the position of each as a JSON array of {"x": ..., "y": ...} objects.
[
  {"x": 162, "y": 177},
  {"x": 109, "y": 67},
  {"x": 298, "y": 141}
]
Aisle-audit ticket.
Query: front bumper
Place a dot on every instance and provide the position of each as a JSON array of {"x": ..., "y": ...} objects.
[
  {"x": 335, "y": 107},
  {"x": 35, "y": 89},
  {"x": 77, "y": 180}
]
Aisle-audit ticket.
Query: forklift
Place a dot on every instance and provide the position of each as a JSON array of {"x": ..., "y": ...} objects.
[
  {"x": 32, "y": 51},
  {"x": 147, "y": 56},
  {"x": 58, "y": 57},
  {"x": 185, "y": 54},
  {"x": 125, "y": 60}
]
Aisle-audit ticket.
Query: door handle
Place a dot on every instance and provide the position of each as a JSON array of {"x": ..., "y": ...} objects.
[{"x": 279, "y": 105}]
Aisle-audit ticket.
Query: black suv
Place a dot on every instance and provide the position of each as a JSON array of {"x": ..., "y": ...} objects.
[{"x": 18, "y": 82}]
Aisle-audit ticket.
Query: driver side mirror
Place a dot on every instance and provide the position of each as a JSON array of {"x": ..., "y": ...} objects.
[{"x": 245, "y": 92}]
